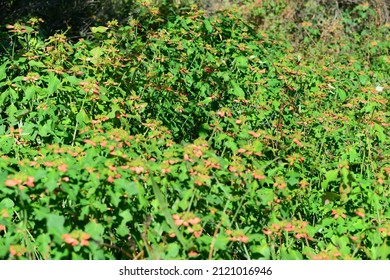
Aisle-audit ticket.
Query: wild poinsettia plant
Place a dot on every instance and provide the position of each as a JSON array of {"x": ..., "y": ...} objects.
[{"x": 194, "y": 136}]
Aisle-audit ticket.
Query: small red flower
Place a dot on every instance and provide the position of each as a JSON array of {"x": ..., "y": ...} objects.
[
  {"x": 289, "y": 227},
  {"x": 267, "y": 231},
  {"x": 243, "y": 239},
  {"x": 90, "y": 142},
  {"x": 30, "y": 181},
  {"x": 193, "y": 254},
  {"x": 12, "y": 182},
  {"x": 360, "y": 213},
  {"x": 62, "y": 167}
]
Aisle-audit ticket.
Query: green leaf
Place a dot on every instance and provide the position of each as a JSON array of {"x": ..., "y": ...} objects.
[
  {"x": 99, "y": 206},
  {"x": 115, "y": 197},
  {"x": 95, "y": 230},
  {"x": 266, "y": 195},
  {"x": 114, "y": 109},
  {"x": 29, "y": 94},
  {"x": 231, "y": 145},
  {"x": 173, "y": 250},
  {"x": 11, "y": 110},
  {"x": 380, "y": 132},
  {"x": 242, "y": 62},
  {"x": 96, "y": 54},
  {"x": 55, "y": 224},
  {"x": 221, "y": 242},
  {"x": 263, "y": 249},
  {"x": 225, "y": 76},
  {"x": 342, "y": 243},
  {"x": 276, "y": 104},
  {"x": 52, "y": 179},
  {"x": 3, "y": 97},
  {"x": 43, "y": 243},
  {"x": 237, "y": 90},
  {"x": 7, "y": 203},
  {"x": 204, "y": 130},
  {"x": 3, "y": 68},
  {"x": 363, "y": 79},
  {"x": 45, "y": 130},
  {"x": 208, "y": 26},
  {"x": 293, "y": 178},
  {"x": 126, "y": 216},
  {"x": 353, "y": 155},
  {"x": 129, "y": 187},
  {"x": 41, "y": 213},
  {"x": 54, "y": 82},
  {"x": 82, "y": 117},
  {"x": 99, "y": 29},
  {"x": 330, "y": 176},
  {"x": 73, "y": 80},
  {"x": 273, "y": 83},
  {"x": 290, "y": 254},
  {"x": 184, "y": 23},
  {"x": 370, "y": 107},
  {"x": 37, "y": 64},
  {"x": 342, "y": 94},
  {"x": 122, "y": 230}
]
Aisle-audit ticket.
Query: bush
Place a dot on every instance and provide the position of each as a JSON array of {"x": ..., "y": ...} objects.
[{"x": 192, "y": 136}]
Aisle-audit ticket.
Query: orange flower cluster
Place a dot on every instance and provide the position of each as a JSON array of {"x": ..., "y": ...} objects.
[
  {"x": 113, "y": 174},
  {"x": 212, "y": 162},
  {"x": 223, "y": 112},
  {"x": 295, "y": 157},
  {"x": 237, "y": 166},
  {"x": 297, "y": 227},
  {"x": 31, "y": 77},
  {"x": 258, "y": 174},
  {"x": 4, "y": 213},
  {"x": 166, "y": 165},
  {"x": 197, "y": 149},
  {"x": 20, "y": 182},
  {"x": 201, "y": 179},
  {"x": 190, "y": 221},
  {"x": 254, "y": 134},
  {"x": 296, "y": 141},
  {"x": 17, "y": 28},
  {"x": 303, "y": 183},
  {"x": 90, "y": 87},
  {"x": 307, "y": 24},
  {"x": 280, "y": 183},
  {"x": 360, "y": 212},
  {"x": 193, "y": 254},
  {"x": 76, "y": 237},
  {"x": 73, "y": 151},
  {"x": 327, "y": 255},
  {"x": 384, "y": 229},
  {"x": 237, "y": 235},
  {"x": 248, "y": 150},
  {"x": 338, "y": 213},
  {"x": 17, "y": 250},
  {"x": 61, "y": 166},
  {"x": 137, "y": 169}
]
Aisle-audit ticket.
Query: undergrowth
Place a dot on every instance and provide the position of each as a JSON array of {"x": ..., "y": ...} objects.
[{"x": 196, "y": 135}]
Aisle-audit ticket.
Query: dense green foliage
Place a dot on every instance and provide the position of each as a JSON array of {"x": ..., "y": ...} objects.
[{"x": 189, "y": 136}]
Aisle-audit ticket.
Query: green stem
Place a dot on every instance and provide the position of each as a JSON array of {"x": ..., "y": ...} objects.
[
  {"x": 77, "y": 123},
  {"x": 163, "y": 204}
]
